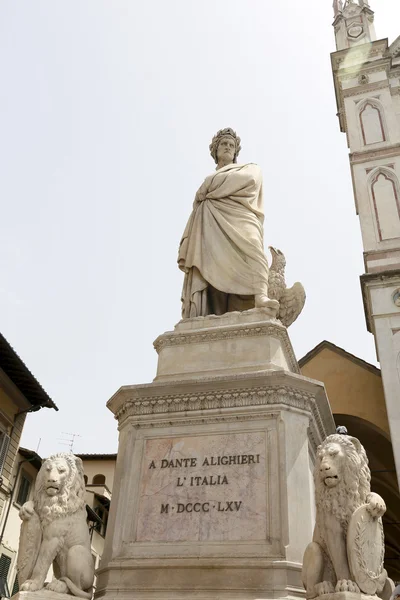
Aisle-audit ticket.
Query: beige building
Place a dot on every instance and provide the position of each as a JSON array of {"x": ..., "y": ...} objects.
[
  {"x": 99, "y": 477},
  {"x": 20, "y": 393},
  {"x": 99, "y": 474},
  {"x": 355, "y": 391},
  {"x": 366, "y": 73}
]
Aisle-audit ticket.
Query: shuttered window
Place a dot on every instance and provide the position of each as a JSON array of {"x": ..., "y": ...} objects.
[
  {"x": 5, "y": 563},
  {"x": 15, "y": 586},
  {"x": 23, "y": 490},
  {"x": 4, "y": 442}
]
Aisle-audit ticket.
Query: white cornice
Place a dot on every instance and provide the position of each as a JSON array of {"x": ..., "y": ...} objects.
[
  {"x": 394, "y": 48},
  {"x": 359, "y": 54},
  {"x": 379, "y": 153}
]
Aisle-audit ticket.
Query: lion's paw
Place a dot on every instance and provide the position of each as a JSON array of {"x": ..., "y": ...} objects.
[
  {"x": 346, "y": 585},
  {"x": 27, "y": 510},
  {"x": 325, "y": 587},
  {"x": 376, "y": 506},
  {"x": 57, "y": 586},
  {"x": 30, "y": 585}
]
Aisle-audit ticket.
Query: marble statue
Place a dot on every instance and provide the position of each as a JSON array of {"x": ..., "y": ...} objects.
[
  {"x": 291, "y": 300},
  {"x": 54, "y": 531},
  {"x": 347, "y": 551},
  {"x": 222, "y": 250}
]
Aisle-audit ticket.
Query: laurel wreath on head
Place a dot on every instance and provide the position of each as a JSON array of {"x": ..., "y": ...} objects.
[{"x": 217, "y": 138}]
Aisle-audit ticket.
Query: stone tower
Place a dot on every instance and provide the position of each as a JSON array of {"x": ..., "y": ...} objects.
[{"x": 366, "y": 74}]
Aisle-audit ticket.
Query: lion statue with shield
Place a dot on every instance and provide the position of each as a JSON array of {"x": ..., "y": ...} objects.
[
  {"x": 346, "y": 554},
  {"x": 54, "y": 531}
]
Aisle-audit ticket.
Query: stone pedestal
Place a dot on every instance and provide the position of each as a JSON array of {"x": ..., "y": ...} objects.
[
  {"x": 213, "y": 493},
  {"x": 234, "y": 343},
  {"x": 41, "y": 595},
  {"x": 346, "y": 596}
]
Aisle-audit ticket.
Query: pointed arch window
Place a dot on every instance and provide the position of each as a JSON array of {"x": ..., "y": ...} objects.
[
  {"x": 371, "y": 122},
  {"x": 386, "y": 201}
]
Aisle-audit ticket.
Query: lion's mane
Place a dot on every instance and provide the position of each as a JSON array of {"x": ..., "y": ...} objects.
[
  {"x": 70, "y": 499},
  {"x": 352, "y": 491}
]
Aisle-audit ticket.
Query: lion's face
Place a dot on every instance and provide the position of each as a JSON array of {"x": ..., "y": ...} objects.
[
  {"x": 341, "y": 475},
  {"x": 56, "y": 472},
  {"x": 60, "y": 487},
  {"x": 331, "y": 460}
]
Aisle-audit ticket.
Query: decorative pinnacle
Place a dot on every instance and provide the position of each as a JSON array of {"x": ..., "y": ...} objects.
[{"x": 339, "y": 5}]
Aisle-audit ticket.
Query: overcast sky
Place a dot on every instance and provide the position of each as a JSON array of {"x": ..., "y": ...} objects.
[{"x": 107, "y": 109}]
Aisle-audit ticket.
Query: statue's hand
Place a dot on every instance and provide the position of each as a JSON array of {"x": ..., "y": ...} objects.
[
  {"x": 200, "y": 196},
  {"x": 27, "y": 510},
  {"x": 376, "y": 505}
]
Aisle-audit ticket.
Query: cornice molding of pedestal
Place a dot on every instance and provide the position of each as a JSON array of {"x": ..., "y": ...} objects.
[
  {"x": 221, "y": 405},
  {"x": 273, "y": 328}
]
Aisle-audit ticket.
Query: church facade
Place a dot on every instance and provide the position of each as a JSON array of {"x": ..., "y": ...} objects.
[{"x": 366, "y": 73}]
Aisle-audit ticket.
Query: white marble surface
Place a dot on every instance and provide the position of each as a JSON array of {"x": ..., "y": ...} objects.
[
  {"x": 236, "y": 342},
  {"x": 54, "y": 531},
  {"x": 43, "y": 594},
  {"x": 154, "y": 555},
  {"x": 348, "y": 526},
  {"x": 203, "y": 488}
]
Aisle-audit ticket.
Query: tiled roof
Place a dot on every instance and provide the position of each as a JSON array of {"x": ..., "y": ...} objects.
[
  {"x": 21, "y": 376},
  {"x": 32, "y": 456},
  {"x": 342, "y": 352},
  {"x": 97, "y": 456}
]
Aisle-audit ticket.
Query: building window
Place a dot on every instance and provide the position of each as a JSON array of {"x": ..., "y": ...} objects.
[
  {"x": 386, "y": 201},
  {"x": 101, "y": 526},
  {"x": 99, "y": 510},
  {"x": 5, "y": 563},
  {"x": 99, "y": 480},
  {"x": 24, "y": 489},
  {"x": 371, "y": 124},
  {"x": 4, "y": 442},
  {"x": 15, "y": 589}
]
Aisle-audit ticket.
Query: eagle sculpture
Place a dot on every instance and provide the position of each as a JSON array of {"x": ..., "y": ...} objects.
[{"x": 291, "y": 300}]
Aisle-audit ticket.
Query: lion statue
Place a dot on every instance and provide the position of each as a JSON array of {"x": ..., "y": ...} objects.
[
  {"x": 54, "y": 531},
  {"x": 342, "y": 485}
]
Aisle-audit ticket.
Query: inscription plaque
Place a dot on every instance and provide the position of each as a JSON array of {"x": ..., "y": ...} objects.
[{"x": 203, "y": 488}]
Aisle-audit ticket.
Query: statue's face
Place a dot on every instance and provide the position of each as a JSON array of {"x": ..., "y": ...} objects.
[
  {"x": 226, "y": 150},
  {"x": 331, "y": 464},
  {"x": 56, "y": 473}
]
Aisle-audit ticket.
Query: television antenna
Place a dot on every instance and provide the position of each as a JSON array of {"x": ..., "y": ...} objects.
[{"x": 69, "y": 440}]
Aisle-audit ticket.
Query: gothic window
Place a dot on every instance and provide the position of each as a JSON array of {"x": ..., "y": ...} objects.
[
  {"x": 385, "y": 197},
  {"x": 371, "y": 123}
]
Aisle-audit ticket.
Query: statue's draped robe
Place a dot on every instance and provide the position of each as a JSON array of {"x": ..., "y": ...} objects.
[{"x": 222, "y": 245}]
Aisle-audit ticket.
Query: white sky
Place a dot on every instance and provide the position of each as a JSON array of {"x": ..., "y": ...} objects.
[{"x": 106, "y": 112}]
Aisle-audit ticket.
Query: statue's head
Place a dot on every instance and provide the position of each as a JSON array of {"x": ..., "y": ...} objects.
[
  {"x": 60, "y": 486},
  {"x": 225, "y": 144},
  {"x": 341, "y": 475}
]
